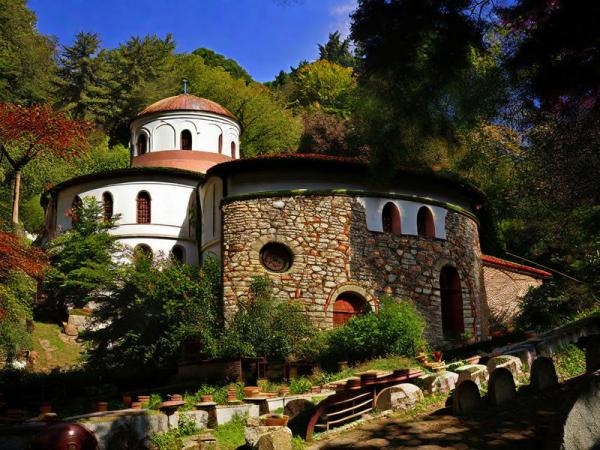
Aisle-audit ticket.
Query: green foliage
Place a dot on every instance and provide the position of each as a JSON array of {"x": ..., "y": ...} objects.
[
  {"x": 84, "y": 79},
  {"x": 396, "y": 329},
  {"x": 269, "y": 127},
  {"x": 17, "y": 294},
  {"x": 337, "y": 50},
  {"x": 265, "y": 326},
  {"x": 325, "y": 86},
  {"x": 569, "y": 362},
  {"x": 83, "y": 259},
  {"x": 170, "y": 440},
  {"x": 300, "y": 385},
  {"x": 151, "y": 309},
  {"x": 553, "y": 304},
  {"x": 26, "y": 57},
  {"x": 230, "y": 66},
  {"x": 231, "y": 434}
]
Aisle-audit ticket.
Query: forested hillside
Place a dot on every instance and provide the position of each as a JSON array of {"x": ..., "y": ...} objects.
[{"x": 503, "y": 94}]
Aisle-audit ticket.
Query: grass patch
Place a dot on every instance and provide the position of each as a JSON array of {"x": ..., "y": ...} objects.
[
  {"x": 569, "y": 362},
  {"x": 55, "y": 353},
  {"x": 231, "y": 434}
]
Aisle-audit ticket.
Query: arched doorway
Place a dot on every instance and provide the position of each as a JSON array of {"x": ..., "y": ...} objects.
[
  {"x": 346, "y": 306},
  {"x": 453, "y": 322}
]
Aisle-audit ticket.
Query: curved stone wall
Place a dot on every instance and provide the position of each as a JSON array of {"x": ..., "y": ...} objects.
[{"x": 335, "y": 252}]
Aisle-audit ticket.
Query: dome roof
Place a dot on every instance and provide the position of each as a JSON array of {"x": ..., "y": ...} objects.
[{"x": 187, "y": 102}]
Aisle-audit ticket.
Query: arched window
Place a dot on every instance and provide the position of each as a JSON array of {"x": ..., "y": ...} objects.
[
  {"x": 233, "y": 149},
  {"x": 107, "y": 206},
  {"x": 76, "y": 205},
  {"x": 391, "y": 219},
  {"x": 453, "y": 323},
  {"x": 142, "y": 144},
  {"x": 346, "y": 306},
  {"x": 144, "y": 213},
  {"x": 142, "y": 251},
  {"x": 221, "y": 143},
  {"x": 186, "y": 140},
  {"x": 178, "y": 254},
  {"x": 425, "y": 226}
]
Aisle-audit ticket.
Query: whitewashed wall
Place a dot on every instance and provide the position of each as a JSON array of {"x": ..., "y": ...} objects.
[
  {"x": 163, "y": 131},
  {"x": 170, "y": 211},
  {"x": 211, "y": 195},
  {"x": 408, "y": 215}
]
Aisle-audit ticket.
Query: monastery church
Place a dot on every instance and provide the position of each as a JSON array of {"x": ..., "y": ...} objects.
[{"x": 317, "y": 226}]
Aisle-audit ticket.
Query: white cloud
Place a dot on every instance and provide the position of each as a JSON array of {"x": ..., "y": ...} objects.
[{"x": 340, "y": 14}]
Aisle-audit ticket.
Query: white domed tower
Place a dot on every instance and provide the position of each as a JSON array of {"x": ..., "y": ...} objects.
[{"x": 184, "y": 132}]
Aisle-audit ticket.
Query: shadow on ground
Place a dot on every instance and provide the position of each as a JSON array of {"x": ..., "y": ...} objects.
[{"x": 532, "y": 421}]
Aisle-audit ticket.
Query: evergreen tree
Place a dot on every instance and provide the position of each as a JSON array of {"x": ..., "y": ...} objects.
[
  {"x": 83, "y": 80},
  {"x": 84, "y": 259},
  {"x": 26, "y": 57},
  {"x": 337, "y": 50}
]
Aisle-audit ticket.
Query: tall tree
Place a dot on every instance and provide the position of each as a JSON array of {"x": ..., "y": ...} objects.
[
  {"x": 325, "y": 86},
  {"x": 26, "y": 57},
  {"x": 83, "y": 80},
  {"x": 138, "y": 69},
  {"x": 337, "y": 50},
  {"x": 230, "y": 66},
  {"x": 28, "y": 133},
  {"x": 420, "y": 75}
]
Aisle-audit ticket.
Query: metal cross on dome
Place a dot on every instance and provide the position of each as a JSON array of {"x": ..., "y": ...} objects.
[{"x": 185, "y": 86}]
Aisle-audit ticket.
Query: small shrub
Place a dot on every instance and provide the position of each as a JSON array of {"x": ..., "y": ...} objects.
[
  {"x": 167, "y": 441},
  {"x": 300, "y": 385},
  {"x": 154, "y": 401},
  {"x": 569, "y": 362},
  {"x": 397, "y": 329},
  {"x": 186, "y": 425},
  {"x": 231, "y": 434}
]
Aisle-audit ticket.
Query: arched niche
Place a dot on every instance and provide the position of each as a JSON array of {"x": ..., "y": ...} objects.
[{"x": 164, "y": 137}]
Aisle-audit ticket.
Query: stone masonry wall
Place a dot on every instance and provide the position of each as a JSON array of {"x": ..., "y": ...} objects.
[
  {"x": 334, "y": 252},
  {"x": 505, "y": 289}
]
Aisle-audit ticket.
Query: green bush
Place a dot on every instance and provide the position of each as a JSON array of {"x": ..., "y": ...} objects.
[
  {"x": 300, "y": 385},
  {"x": 569, "y": 362},
  {"x": 266, "y": 326},
  {"x": 553, "y": 304},
  {"x": 396, "y": 329}
]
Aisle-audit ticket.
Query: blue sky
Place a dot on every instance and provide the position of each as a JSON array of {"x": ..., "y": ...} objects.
[{"x": 264, "y": 36}]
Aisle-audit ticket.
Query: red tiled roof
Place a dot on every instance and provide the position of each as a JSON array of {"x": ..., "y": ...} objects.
[
  {"x": 514, "y": 266},
  {"x": 187, "y": 102}
]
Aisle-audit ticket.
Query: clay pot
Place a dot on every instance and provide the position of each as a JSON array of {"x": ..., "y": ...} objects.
[
  {"x": 275, "y": 420},
  {"x": 102, "y": 406},
  {"x": 231, "y": 395},
  {"x": 422, "y": 358},
  {"x": 315, "y": 389},
  {"x": 206, "y": 398},
  {"x": 126, "y": 400},
  {"x": 143, "y": 398},
  {"x": 136, "y": 405},
  {"x": 251, "y": 391},
  {"x": 437, "y": 356},
  {"x": 45, "y": 408},
  {"x": 284, "y": 391},
  {"x": 176, "y": 398}
]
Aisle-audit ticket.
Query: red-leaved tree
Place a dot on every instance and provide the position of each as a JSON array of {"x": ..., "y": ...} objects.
[
  {"x": 28, "y": 132},
  {"x": 17, "y": 255}
]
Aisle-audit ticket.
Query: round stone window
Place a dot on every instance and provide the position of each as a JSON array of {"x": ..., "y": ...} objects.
[{"x": 276, "y": 257}]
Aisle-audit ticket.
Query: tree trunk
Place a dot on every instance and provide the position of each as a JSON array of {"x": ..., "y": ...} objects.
[{"x": 15, "y": 199}]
